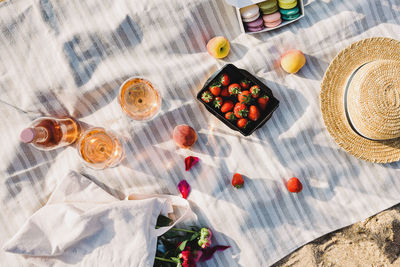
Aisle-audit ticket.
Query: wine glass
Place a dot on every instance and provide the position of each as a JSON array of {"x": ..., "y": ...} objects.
[
  {"x": 139, "y": 99},
  {"x": 100, "y": 149}
]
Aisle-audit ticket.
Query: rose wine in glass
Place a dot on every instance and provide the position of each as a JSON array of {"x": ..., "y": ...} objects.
[
  {"x": 48, "y": 133},
  {"x": 139, "y": 99},
  {"x": 100, "y": 149}
]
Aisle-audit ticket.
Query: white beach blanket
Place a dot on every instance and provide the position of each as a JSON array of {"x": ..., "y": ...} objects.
[{"x": 69, "y": 58}]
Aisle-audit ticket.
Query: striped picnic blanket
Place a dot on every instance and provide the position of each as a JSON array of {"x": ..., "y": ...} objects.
[{"x": 69, "y": 58}]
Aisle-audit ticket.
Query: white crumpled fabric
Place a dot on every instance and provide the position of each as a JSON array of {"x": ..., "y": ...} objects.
[{"x": 83, "y": 225}]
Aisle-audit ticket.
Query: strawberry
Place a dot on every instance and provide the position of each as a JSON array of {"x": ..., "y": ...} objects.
[
  {"x": 227, "y": 106},
  {"x": 245, "y": 84},
  {"x": 263, "y": 101},
  {"x": 217, "y": 102},
  {"x": 224, "y": 91},
  {"x": 230, "y": 116},
  {"x": 215, "y": 89},
  {"x": 237, "y": 180},
  {"x": 242, "y": 123},
  {"x": 234, "y": 89},
  {"x": 255, "y": 91},
  {"x": 244, "y": 97},
  {"x": 240, "y": 110},
  {"x": 294, "y": 185},
  {"x": 224, "y": 79},
  {"x": 207, "y": 97},
  {"x": 254, "y": 114}
]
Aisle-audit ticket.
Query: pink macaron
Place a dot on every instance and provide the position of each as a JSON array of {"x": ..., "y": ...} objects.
[
  {"x": 254, "y": 24},
  {"x": 272, "y": 24},
  {"x": 272, "y": 20}
]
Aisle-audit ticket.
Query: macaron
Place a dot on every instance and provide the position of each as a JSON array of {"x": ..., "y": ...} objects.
[
  {"x": 257, "y": 23},
  {"x": 249, "y": 12},
  {"x": 268, "y": 7},
  {"x": 270, "y": 10},
  {"x": 272, "y": 20},
  {"x": 251, "y": 18},
  {"x": 291, "y": 17},
  {"x": 255, "y": 29},
  {"x": 290, "y": 14},
  {"x": 273, "y": 24},
  {"x": 287, "y": 4}
]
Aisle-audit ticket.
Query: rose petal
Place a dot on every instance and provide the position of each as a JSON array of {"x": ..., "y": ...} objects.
[
  {"x": 197, "y": 255},
  {"x": 190, "y": 162},
  {"x": 184, "y": 188},
  {"x": 209, "y": 252}
]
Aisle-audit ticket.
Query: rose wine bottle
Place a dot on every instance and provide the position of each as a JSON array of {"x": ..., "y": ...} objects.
[{"x": 50, "y": 133}]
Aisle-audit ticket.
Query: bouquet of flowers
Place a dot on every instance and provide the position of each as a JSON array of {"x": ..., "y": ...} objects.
[{"x": 184, "y": 247}]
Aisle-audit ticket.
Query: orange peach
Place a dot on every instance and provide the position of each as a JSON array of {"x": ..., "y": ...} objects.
[
  {"x": 218, "y": 47},
  {"x": 293, "y": 60},
  {"x": 184, "y": 136}
]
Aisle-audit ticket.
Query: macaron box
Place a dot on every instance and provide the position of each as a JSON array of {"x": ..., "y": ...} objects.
[
  {"x": 267, "y": 15},
  {"x": 238, "y": 99}
]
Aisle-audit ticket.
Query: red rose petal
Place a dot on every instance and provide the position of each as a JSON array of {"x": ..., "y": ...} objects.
[
  {"x": 190, "y": 162},
  {"x": 184, "y": 188}
]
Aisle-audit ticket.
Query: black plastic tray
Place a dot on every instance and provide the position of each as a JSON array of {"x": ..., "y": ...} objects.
[{"x": 237, "y": 75}]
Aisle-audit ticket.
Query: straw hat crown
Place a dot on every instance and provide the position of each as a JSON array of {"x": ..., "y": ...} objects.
[{"x": 372, "y": 100}]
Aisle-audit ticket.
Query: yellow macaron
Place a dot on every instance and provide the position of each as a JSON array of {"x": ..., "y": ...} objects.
[{"x": 287, "y": 4}]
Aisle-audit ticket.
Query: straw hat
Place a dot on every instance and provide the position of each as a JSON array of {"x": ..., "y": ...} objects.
[{"x": 360, "y": 99}]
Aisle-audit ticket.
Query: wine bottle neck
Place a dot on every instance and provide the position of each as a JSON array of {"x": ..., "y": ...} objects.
[
  {"x": 41, "y": 134},
  {"x": 34, "y": 135}
]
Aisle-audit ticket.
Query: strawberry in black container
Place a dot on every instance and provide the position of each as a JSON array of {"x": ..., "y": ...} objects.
[{"x": 238, "y": 99}]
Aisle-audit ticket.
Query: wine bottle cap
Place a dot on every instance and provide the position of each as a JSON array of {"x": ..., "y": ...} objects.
[{"x": 27, "y": 135}]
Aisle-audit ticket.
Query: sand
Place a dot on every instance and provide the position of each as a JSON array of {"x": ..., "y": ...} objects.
[{"x": 373, "y": 242}]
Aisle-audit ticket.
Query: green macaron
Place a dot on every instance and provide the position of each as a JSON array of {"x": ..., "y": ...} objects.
[
  {"x": 269, "y": 10},
  {"x": 290, "y": 17},
  {"x": 289, "y": 12},
  {"x": 268, "y": 7}
]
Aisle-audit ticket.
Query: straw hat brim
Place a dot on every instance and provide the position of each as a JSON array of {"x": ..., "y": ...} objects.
[{"x": 332, "y": 94}]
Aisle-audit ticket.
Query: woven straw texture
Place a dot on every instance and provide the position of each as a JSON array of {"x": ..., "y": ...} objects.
[
  {"x": 373, "y": 102},
  {"x": 332, "y": 95}
]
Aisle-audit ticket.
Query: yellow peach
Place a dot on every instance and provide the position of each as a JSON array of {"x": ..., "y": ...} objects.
[
  {"x": 218, "y": 47},
  {"x": 293, "y": 60}
]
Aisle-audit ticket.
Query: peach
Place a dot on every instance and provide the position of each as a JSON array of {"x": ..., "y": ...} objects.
[
  {"x": 293, "y": 60},
  {"x": 218, "y": 47},
  {"x": 184, "y": 136}
]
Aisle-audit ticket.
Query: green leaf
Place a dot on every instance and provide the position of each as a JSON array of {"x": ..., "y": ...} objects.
[
  {"x": 183, "y": 245},
  {"x": 194, "y": 236},
  {"x": 170, "y": 235},
  {"x": 163, "y": 221}
]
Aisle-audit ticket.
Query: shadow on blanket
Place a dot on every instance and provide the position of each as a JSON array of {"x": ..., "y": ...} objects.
[{"x": 85, "y": 51}]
